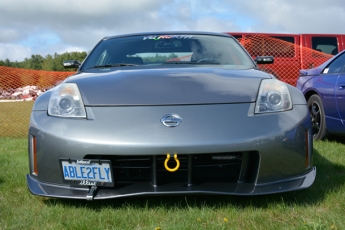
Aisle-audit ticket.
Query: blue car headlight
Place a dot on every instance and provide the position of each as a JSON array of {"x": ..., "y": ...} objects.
[
  {"x": 66, "y": 101},
  {"x": 273, "y": 96}
]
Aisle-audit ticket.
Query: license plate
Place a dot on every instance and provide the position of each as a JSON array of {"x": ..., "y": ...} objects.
[{"x": 87, "y": 172}]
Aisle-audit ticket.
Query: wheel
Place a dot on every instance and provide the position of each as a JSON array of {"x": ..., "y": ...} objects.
[{"x": 318, "y": 119}]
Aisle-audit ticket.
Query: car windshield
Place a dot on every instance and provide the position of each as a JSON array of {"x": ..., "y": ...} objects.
[{"x": 168, "y": 50}]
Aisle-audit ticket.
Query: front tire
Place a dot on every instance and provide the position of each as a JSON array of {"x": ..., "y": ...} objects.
[{"x": 318, "y": 119}]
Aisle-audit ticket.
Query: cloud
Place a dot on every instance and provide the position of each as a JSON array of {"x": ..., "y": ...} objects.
[
  {"x": 9, "y": 34},
  {"x": 42, "y": 26},
  {"x": 17, "y": 52},
  {"x": 284, "y": 16}
]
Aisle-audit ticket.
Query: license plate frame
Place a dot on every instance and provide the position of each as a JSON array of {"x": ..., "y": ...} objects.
[{"x": 87, "y": 172}]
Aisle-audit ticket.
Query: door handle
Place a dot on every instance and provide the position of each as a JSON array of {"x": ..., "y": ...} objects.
[{"x": 341, "y": 87}]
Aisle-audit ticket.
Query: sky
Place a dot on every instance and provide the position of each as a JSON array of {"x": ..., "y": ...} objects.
[{"x": 29, "y": 27}]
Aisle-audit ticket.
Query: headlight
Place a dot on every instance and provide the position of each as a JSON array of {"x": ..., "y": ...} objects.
[
  {"x": 66, "y": 101},
  {"x": 273, "y": 96}
]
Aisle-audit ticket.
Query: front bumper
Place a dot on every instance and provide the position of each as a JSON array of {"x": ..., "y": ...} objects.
[
  {"x": 275, "y": 150},
  {"x": 145, "y": 188}
]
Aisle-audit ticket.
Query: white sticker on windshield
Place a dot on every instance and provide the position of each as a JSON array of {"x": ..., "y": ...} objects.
[
  {"x": 157, "y": 37},
  {"x": 325, "y": 70}
]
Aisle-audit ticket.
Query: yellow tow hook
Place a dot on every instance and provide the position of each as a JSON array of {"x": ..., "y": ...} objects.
[{"x": 166, "y": 163}]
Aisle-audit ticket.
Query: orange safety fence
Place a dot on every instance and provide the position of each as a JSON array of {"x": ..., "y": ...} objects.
[
  {"x": 289, "y": 58},
  {"x": 20, "y": 87}
]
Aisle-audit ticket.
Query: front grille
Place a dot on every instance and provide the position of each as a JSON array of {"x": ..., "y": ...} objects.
[
  {"x": 194, "y": 169},
  {"x": 217, "y": 167}
]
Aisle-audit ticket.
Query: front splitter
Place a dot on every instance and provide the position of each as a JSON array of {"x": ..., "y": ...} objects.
[{"x": 178, "y": 188}]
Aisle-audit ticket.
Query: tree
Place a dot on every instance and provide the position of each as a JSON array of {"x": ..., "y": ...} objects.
[{"x": 49, "y": 62}]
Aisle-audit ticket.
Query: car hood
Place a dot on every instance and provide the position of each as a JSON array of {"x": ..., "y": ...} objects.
[
  {"x": 168, "y": 86},
  {"x": 310, "y": 72}
]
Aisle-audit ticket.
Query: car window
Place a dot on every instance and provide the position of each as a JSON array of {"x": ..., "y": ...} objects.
[
  {"x": 328, "y": 45},
  {"x": 336, "y": 66},
  {"x": 237, "y": 36},
  {"x": 169, "y": 49},
  {"x": 159, "y": 57},
  {"x": 285, "y": 38},
  {"x": 279, "y": 46}
]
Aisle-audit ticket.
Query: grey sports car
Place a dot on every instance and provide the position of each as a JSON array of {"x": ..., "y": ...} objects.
[{"x": 169, "y": 113}]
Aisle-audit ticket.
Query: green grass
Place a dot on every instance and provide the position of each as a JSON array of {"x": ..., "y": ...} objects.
[
  {"x": 14, "y": 118},
  {"x": 322, "y": 206}
]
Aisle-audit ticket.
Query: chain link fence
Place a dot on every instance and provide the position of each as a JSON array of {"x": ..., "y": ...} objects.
[{"x": 20, "y": 87}]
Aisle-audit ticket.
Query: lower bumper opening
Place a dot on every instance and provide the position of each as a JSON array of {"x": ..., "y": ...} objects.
[{"x": 194, "y": 170}]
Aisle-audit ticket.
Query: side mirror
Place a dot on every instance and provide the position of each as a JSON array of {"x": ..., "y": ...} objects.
[
  {"x": 264, "y": 60},
  {"x": 71, "y": 64}
]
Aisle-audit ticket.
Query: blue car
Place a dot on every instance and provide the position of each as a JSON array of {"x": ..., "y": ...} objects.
[{"x": 324, "y": 90}]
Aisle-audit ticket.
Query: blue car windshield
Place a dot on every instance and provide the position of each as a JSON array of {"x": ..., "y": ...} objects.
[{"x": 169, "y": 50}]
